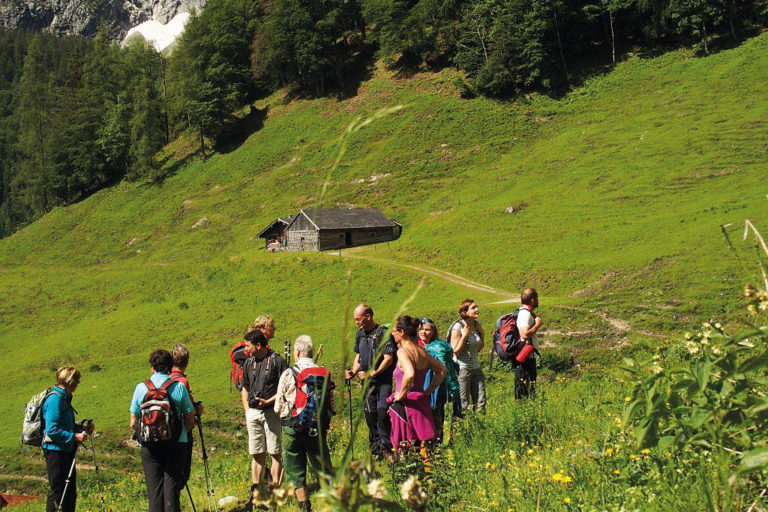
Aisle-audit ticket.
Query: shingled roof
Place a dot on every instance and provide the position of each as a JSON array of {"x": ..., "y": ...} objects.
[{"x": 347, "y": 218}]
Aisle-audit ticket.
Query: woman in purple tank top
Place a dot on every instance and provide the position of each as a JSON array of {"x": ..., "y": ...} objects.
[{"x": 410, "y": 410}]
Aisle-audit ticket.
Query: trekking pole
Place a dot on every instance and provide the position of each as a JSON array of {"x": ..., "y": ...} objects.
[
  {"x": 349, "y": 400},
  {"x": 68, "y": 480},
  {"x": 319, "y": 354},
  {"x": 98, "y": 475},
  {"x": 287, "y": 351},
  {"x": 191, "y": 501},
  {"x": 210, "y": 500}
]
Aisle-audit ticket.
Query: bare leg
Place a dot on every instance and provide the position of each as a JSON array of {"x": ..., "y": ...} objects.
[
  {"x": 257, "y": 466},
  {"x": 277, "y": 466}
]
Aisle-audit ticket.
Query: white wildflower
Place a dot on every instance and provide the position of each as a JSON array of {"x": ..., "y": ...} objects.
[
  {"x": 376, "y": 489},
  {"x": 413, "y": 494},
  {"x": 693, "y": 348}
]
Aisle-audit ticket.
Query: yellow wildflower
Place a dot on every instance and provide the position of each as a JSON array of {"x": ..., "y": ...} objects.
[
  {"x": 567, "y": 501},
  {"x": 487, "y": 465},
  {"x": 557, "y": 477},
  {"x": 566, "y": 480},
  {"x": 645, "y": 451},
  {"x": 627, "y": 399},
  {"x": 616, "y": 472},
  {"x": 608, "y": 452},
  {"x": 493, "y": 467}
]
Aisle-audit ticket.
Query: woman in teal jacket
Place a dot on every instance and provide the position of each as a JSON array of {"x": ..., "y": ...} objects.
[
  {"x": 442, "y": 351},
  {"x": 62, "y": 435}
]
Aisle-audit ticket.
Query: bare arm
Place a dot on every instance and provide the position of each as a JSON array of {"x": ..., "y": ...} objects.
[
  {"x": 439, "y": 371},
  {"x": 386, "y": 361},
  {"x": 244, "y": 397},
  {"x": 459, "y": 340},
  {"x": 189, "y": 421},
  {"x": 526, "y": 331},
  {"x": 133, "y": 421},
  {"x": 404, "y": 360}
]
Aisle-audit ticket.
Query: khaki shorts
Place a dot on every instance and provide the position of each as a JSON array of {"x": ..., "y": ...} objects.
[{"x": 264, "y": 428}]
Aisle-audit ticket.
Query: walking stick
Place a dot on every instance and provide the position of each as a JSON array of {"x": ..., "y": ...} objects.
[
  {"x": 191, "y": 501},
  {"x": 68, "y": 480},
  {"x": 349, "y": 401},
  {"x": 98, "y": 476},
  {"x": 210, "y": 493},
  {"x": 287, "y": 351}
]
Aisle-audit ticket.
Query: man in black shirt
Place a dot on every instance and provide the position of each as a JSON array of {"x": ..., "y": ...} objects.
[
  {"x": 261, "y": 373},
  {"x": 377, "y": 365}
]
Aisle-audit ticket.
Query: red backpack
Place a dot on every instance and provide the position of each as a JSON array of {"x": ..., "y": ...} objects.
[
  {"x": 158, "y": 421},
  {"x": 237, "y": 356},
  {"x": 312, "y": 406},
  {"x": 506, "y": 337}
]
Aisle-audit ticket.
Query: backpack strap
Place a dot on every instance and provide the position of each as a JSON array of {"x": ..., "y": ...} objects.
[
  {"x": 167, "y": 384},
  {"x": 150, "y": 385}
]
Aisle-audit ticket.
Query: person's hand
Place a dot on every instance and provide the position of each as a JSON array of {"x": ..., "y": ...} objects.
[
  {"x": 259, "y": 402},
  {"x": 91, "y": 428},
  {"x": 80, "y": 437},
  {"x": 465, "y": 331},
  {"x": 361, "y": 375},
  {"x": 537, "y": 322},
  {"x": 199, "y": 409},
  {"x": 348, "y": 375}
]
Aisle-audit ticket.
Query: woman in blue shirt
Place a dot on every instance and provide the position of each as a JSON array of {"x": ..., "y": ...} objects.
[{"x": 62, "y": 436}]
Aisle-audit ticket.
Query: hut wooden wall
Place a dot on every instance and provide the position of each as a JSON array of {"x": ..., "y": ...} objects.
[{"x": 302, "y": 239}]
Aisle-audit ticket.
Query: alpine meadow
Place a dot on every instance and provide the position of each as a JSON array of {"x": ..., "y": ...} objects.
[{"x": 633, "y": 196}]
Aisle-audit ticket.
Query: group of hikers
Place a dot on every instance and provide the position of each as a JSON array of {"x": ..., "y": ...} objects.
[{"x": 409, "y": 379}]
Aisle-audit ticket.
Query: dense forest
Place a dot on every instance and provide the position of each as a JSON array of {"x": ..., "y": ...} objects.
[{"x": 77, "y": 114}]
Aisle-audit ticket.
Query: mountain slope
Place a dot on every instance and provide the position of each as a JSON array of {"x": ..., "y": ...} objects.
[{"x": 619, "y": 190}]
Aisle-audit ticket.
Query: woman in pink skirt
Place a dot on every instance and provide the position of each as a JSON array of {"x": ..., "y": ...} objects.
[{"x": 410, "y": 410}]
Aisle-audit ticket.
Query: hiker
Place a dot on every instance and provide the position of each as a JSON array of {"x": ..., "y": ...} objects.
[
  {"x": 61, "y": 440},
  {"x": 180, "y": 356},
  {"x": 265, "y": 324},
  {"x": 261, "y": 373},
  {"x": 448, "y": 391},
  {"x": 528, "y": 323},
  {"x": 304, "y": 439},
  {"x": 467, "y": 337},
  {"x": 379, "y": 372},
  {"x": 163, "y": 442},
  {"x": 410, "y": 410}
]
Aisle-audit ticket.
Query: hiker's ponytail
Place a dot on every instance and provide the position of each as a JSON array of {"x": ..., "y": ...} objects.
[{"x": 409, "y": 325}]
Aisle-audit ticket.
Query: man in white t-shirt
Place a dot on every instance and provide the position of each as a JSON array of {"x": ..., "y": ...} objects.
[{"x": 528, "y": 324}]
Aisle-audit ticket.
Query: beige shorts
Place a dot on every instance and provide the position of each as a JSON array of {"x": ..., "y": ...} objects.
[{"x": 264, "y": 429}]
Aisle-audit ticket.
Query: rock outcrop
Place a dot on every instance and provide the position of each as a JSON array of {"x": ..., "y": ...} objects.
[{"x": 83, "y": 17}]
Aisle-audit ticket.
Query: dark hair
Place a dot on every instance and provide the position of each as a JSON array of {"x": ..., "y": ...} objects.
[
  {"x": 161, "y": 361},
  {"x": 528, "y": 295},
  {"x": 464, "y": 307},
  {"x": 409, "y": 325},
  {"x": 255, "y": 337}
]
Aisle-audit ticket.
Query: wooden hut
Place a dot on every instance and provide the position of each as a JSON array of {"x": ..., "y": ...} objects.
[
  {"x": 323, "y": 229},
  {"x": 274, "y": 234}
]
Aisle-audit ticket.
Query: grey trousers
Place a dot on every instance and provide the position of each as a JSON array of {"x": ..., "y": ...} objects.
[{"x": 472, "y": 387}]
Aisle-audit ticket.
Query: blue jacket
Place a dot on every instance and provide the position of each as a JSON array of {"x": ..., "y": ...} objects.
[{"x": 59, "y": 421}]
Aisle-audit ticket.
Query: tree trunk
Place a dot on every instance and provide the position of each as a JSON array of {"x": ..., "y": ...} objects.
[
  {"x": 731, "y": 16},
  {"x": 613, "y": 38},
  {"x": 560, "y": 46},
  {"x": 202, "y": 141},
  {"x": 482, "y": 42},
  {"x": 704, "y": 37}
]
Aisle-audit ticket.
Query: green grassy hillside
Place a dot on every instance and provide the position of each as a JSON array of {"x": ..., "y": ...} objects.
[{"x": 621, "y": 189}]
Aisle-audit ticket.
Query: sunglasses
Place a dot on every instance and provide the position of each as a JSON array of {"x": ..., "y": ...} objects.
[{"x": 426, "y": 320}]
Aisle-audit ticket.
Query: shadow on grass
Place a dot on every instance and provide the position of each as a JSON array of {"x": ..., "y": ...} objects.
[
  {"x": 357, "y": 72},
  {"x": 238, "y": 131}
]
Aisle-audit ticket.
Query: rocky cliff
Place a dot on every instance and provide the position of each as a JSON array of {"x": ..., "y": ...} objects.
[{"x": 83, "y": 17}]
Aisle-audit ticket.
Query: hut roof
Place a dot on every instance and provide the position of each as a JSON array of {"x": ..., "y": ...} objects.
[
  {"x": 347, "y": 218},
  {"x": 280, "y": 220}
]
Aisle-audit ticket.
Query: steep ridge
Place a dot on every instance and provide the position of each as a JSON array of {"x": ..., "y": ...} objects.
[
  {"x": 83, "y": 18},
  {"x": 628, "y": 177}
]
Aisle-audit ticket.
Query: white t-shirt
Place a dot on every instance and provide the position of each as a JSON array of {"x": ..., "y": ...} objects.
[{"x": 524, "y": 317}]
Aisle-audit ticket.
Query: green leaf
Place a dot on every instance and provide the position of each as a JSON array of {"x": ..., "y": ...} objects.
[
  {"x": 760, "y": 406},
  {"x": 754, "y": 363},
  {"x": 700, "y": 416},
  {"x": 646, "y": 432},
  {"x": 755, "y": 460}
]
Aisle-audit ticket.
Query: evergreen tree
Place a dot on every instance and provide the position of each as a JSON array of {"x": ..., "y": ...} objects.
[{"x": 696, "y": 18}]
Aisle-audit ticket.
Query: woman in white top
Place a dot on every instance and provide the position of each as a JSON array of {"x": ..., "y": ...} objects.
[{"x": 467, "y": 340}]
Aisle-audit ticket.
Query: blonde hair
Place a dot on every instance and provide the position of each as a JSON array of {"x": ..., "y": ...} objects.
[
  {"x": 180, "y": 356},
  {"x": 68, "y": 376},
  {"x": 262, "y": 322},
  {"x": 304, "y": 346}
]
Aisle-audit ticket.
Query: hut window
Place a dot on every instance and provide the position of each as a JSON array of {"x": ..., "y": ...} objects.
[{"x": 341, "y": 235}]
